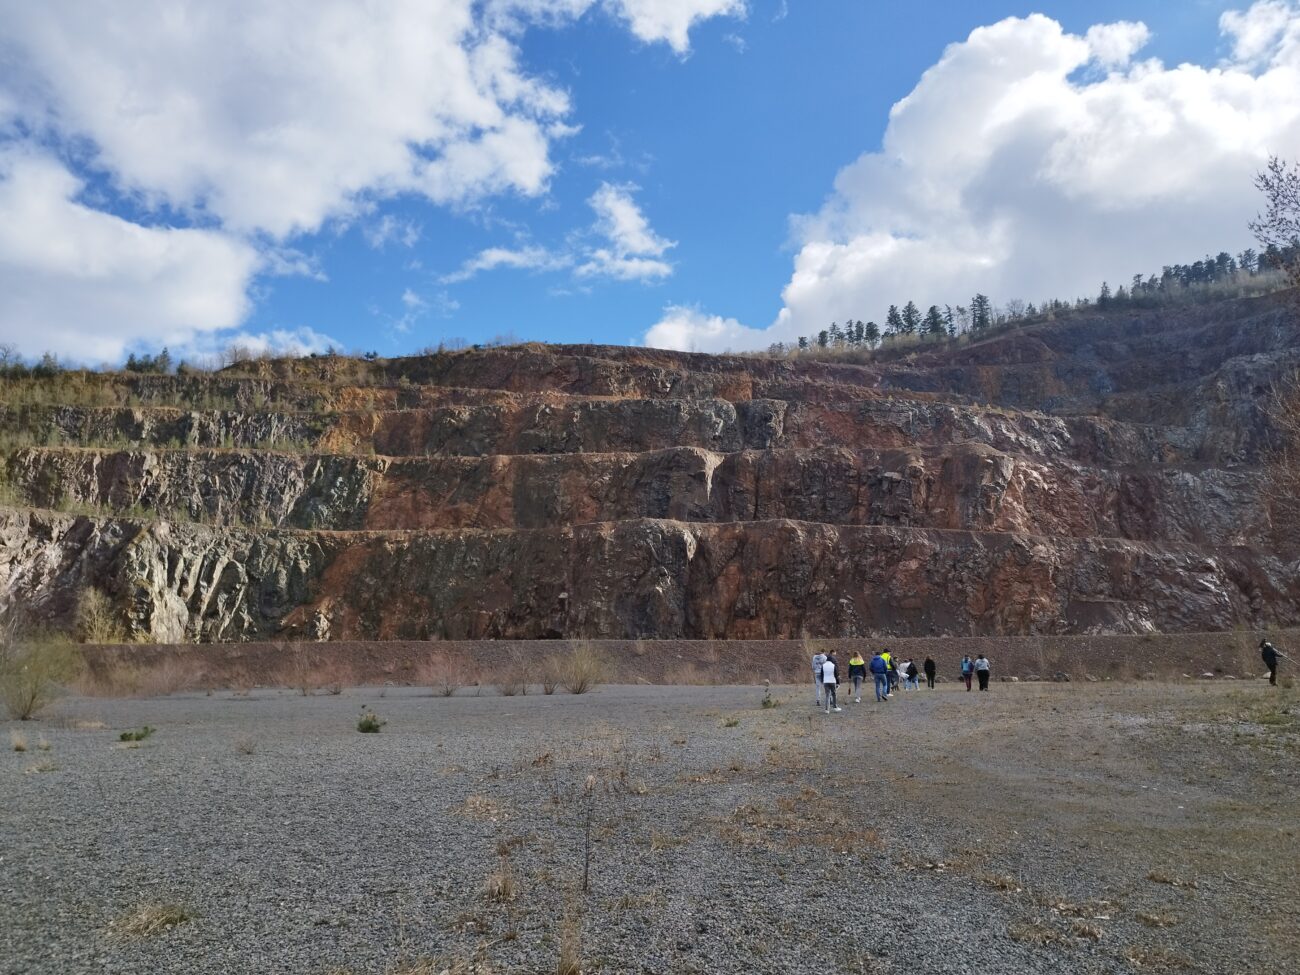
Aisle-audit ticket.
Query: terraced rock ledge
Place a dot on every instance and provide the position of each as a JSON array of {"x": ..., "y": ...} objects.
[{"x": 1096, "y": 476}]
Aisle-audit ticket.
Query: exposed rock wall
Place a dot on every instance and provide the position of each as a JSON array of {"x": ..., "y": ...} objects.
[{"x": 1099, "y": 475}]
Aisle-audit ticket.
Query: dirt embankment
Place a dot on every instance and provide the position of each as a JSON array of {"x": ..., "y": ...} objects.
[{"x": 485, "y": 662}]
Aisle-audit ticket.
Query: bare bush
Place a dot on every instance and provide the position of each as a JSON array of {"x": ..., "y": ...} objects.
[
  {"x": 582, "y": 669},
  {"x": 442, "y": 675},
  {"x": 97, "y": 621},
  {"x": 33, "y": 672}
]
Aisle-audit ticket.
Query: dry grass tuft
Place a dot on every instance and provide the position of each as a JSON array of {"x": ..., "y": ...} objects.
[
  {"x": 570, "y": 961},
  {"x": 1086, "y": 929},
  {"x": 1160, "y": 877},
  {"x": 150, "y": 919},
  {"x": 1157, "y": 919},
  {"x": 481, "y": 807},
  {"x": 43, "y": 766},
  {"x": 1002, "y": 881},
  {"x": 663, "y": 841},
  {"x": 245, "y": 745},
  {"x": 1158, "y": 959},
  {"x": 18, "y": 740},
  {"x": 500, "y": 883},
  {"x": 1034, "y": 933}
]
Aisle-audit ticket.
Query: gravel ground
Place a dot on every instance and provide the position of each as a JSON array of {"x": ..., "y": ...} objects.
[{"x": 1036, "y": 828}]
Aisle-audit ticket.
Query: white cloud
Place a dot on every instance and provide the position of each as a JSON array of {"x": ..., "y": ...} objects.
[
  {"x": 391, "y": 229},
  {"x": 86, "y": 284},
  {"x": 634, "y": 249},
  {"x": 672, "y": 20},
  {"x": 691, "y": 330},
  {"x": 1006, "y": 170},
  {"x": 258, "y": 122},
  {"x": 631, "y": 250},
  {"x": 529, "y": 258},
  {"x": 1113, "y": 45}
]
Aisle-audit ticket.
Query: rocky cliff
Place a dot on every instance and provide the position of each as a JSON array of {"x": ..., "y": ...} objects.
[{"x": 1095, "y": 475}]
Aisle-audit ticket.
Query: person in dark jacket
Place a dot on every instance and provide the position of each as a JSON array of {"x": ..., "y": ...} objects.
[
  {"x": 1269, "y": 653},
  {"x": 893, "y": 672},
  {"x": 857, "y": 674},
  {"x": 929, "y": 671}
]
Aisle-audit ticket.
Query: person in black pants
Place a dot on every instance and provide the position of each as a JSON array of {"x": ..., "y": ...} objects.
[
  {"x": 1269, "y": 653},
  {"x": 982, "y": 671},
  {"x": 929, "y": 671}
]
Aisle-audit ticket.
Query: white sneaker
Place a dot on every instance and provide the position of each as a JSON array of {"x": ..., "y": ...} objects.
[
  {"x": 857, "y": 700},
  {"x": 839, "y": 709}
]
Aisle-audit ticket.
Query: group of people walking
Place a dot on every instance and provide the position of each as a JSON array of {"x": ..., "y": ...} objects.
[{"x": 886, "y": 674}]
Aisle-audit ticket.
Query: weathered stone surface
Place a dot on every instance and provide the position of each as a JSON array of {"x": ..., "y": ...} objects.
[{"x": 1099, "y": 475}]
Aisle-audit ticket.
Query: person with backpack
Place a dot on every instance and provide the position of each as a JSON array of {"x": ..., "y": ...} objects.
[
  {"x": 1269, "y": 654},
  {"x": 967, "y": 669},
  {"x": 818, "y": 660},
  {"x": 892, "y": 672},
  {"x": 829, "y": 682},
  {"x": 929, "y": 671},
  {"x": 982, "y": 671},
  {"x": 857, "y": 674},
  {"x": 880, "y": 671}
]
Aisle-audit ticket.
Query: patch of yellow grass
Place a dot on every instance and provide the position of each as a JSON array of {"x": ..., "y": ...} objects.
[{"x": 150, "y": 919}]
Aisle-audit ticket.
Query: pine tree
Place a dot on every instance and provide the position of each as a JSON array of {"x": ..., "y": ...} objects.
[
  {"x": 893, "y": 321},
  {"x": 871, "y": 333},
  {"x": 981, "y": 313},
  {"x": 911, "y": 318},
  {"x": 934, "y": 322},
  {"x": 1103, "y": 296}
]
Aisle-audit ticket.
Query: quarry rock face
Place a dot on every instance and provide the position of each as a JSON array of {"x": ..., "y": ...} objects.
[{"x": 1101, "y": 474}]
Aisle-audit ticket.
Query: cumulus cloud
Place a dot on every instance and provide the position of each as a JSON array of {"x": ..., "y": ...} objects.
[
  {"x": 628, "y": 248},
  {"x": 1008, "y": 170},
  {"x": 86, "y": 284},
  {"x": 691, "y": 330},
  {"x": 634, "y": 250},
  {"x": 260, "y": 122}
]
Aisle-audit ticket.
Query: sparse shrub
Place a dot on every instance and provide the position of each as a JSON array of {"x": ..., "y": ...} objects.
[
  {"x": 369, "y": 723},
  {"x": 34, "y": 672},
  {"x": 245, "y": 745},
  {"x": 42, "y": 745},
  {"x": 731, "y": 722},
  {"x": 96, "y": 620},
  {"x": 769, "y": 701},
  {"x": 582, "y": 669},
  {"x": 18, "y": 740},
  {"x": 136, "y": 734},
  {"x": 444, "y": 677}
]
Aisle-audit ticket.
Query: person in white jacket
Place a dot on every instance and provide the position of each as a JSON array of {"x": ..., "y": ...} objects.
[
  {"x": 818, "y": 660},
  {"x": 829, "y": 683}
]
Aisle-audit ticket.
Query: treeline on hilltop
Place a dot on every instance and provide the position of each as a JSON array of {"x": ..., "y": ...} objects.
[{"x": 1223, "y": 275}]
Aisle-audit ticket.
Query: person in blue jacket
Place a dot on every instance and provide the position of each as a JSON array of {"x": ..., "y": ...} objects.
[{"x": 880, "y": 671}]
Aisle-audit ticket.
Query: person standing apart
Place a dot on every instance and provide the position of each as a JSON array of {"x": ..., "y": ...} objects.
[
  {"x": 929, "y": 672},
  {"x": 1269, "y": 653},
  {"x": 857, "y": 674},
  {"x": 967, "y": 669},
  {"x": 829, "y": 682},
  {"x": 880, "y": 671},
  {"x": 982, "y": 671},
  {"x": 818, "y": 660}
]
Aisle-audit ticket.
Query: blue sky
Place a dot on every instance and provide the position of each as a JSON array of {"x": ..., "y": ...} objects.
[{"x": 697, "y": 173}]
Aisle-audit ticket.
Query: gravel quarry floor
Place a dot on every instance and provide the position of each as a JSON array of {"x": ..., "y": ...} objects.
[{"x": 1035, "y": 828}]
